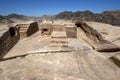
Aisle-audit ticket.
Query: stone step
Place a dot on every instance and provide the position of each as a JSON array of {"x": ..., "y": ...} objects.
[
  {"x": 59, "y": 45},
  {"x": 23, "y": 29},
  {"x": 59, "y": 40},
  {"x": 56, "y": 34}
]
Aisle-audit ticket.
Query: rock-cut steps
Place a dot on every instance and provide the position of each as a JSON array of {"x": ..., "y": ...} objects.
[
  {"x": 59, "y": 39},
  {"x": 23, "y": 31}
]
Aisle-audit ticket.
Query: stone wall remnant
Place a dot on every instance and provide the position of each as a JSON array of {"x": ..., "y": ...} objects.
[
  {"x": 8, "y": 39},
  {"x": 27, "y": 29},
  {"x": 47, "y": 29}
]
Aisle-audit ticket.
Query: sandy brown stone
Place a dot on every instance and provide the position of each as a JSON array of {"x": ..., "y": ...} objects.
[{"x": 32, "y": 58}]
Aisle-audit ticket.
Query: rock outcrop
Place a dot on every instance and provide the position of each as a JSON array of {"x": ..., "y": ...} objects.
[
  {"x": 27, "y": 29},
  {"x": 96, "y": 40},
  {"x": 116, "y": 59},
  {"x": 9, "y": 37}
]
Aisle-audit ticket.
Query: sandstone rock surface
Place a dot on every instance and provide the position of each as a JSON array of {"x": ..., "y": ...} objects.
[{"x": 32, "y": 58}]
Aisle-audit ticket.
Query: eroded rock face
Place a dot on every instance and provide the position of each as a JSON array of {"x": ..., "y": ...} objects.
[
  {"x": 96, "y": 40},
  {"x": 10, "y": 36},
  {"x": 7, "y": 40},
  {"x": 32, "y": 28},
  {"x": 90, "y": 32},
  {"x": 116, "y": 59}
]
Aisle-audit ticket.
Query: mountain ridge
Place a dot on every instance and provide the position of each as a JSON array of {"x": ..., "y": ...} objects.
[{"x": 109, "y": 17}]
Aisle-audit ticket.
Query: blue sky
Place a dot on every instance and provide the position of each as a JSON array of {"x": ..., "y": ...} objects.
[{"x": 42, "y": 7}]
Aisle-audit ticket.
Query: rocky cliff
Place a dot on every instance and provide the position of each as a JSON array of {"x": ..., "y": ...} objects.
[{"x": 109, "y": 17}]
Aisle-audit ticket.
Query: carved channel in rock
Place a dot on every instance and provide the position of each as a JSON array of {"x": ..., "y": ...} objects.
[{"x": 95, "y": 39}]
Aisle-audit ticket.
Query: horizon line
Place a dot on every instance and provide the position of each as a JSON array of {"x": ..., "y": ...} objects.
[{"x": 56, "y": 13}]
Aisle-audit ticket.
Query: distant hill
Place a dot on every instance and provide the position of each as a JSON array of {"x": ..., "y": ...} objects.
[
  {"x": 109, "y": 17},
  {"x": 47, "y": 17},
  {"x": 5, "y": 20},
  {"x": 16, "y": 16}
]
